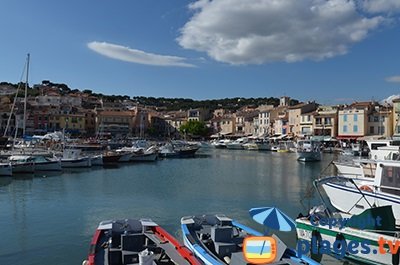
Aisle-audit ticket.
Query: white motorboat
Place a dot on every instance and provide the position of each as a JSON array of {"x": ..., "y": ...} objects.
[
  {"x": 96, "y": 160},
  {"x": 5, "y": 170},
  {"x": 72, "y": 159},
  {"x": 353, "y": 196},
  {"x": 237, "y": 144},
  {"x": 125, "y": 156},
  {"x": 258, "y": 145},
  {"x": 308, "y": 150},
  {"x": 43, "y": 163},
  {"x": 150, "y": 154},
  {"x": 22, "y": 164}
]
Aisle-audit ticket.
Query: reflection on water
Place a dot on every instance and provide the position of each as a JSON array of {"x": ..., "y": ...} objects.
[{"x": 49, "y": 219}]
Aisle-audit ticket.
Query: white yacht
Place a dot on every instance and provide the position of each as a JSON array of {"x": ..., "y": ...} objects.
[{"x": 43, "y": 163}]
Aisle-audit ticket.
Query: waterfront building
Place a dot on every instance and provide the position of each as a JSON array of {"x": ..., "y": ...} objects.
[
  {"x": 71, "y": 123},
  {"x": 306, "y": 124},
  {"x": 198, "y": 115},
  {"x": 294, "y": 115},
  {"x": 396, "y": 118},
  {"x": 380, "y": 122},
  {"x": 223, "y": 126},
  {"x": 114, "y": 123},
  {"x": 265, "y": 120},
  {"x": 281, "y": 122},
  {"x": 325, "y": 122},
  {"x": 353, "y": 120}
]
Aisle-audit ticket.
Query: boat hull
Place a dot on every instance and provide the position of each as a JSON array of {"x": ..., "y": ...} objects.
[
  {"x": 48, "y": 166},
  {"x": 144, "y": 157},
  {"x": 308, "y": 156},
  {"x": 23, "y": 168},
  {"x": 304, "y": 230},
  {"x": 76, "y": 163},
  {"x": 5, "y": 170},
  {"x": 349, "y": 200}
]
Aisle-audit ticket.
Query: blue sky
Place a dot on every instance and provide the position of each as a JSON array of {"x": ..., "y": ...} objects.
[{"x": 331, "y": 51}]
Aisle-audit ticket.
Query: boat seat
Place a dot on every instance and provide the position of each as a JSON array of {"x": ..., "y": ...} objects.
[
  {"x": 224, "y": 249},
  {"x": 133, "y": 242},
  {"x": 129, "y": 257},
  {"x": 222, "y": 234},
  {"x": 112, "y": 257}
]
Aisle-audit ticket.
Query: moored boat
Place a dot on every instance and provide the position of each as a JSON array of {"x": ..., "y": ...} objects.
[
  {"x": 358, "y": 238},
  {"x": 132, "y": 241},
  {"x": 22, "y": 164},
  {"x": 308, "y": 151},
  {"x": 97, "y": 160},
  {"x": 5, "y": 170},
  {"x": 43, "y": 163},
  {"x": 217, "y": 239},
  {"x": 353, "y": 196},
  {"x": 110, "y": 158},
  {"x": 72, "y": 159}
]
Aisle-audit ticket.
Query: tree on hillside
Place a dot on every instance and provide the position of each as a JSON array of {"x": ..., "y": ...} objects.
[{"x": 194, "y": 128}]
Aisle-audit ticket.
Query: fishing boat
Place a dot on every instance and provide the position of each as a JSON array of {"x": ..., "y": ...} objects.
[
  {"x": 5, "y": 170},
  {"x": 354, "y": 196},
  {"x": 43, "y": 163},
  {"x": 132, "y": 241},
  {"x": 217, "y": 239},
  {"x": 96, "y": 160},
  {"x": 358, "y": 231},
  {"x": 220, "y": 144},
  {"x": 178, "y": 150},
  {"x": 22, "y": 164},
  {"x": 308, "y": 150},
  {"x": 72, "y": 158},
  {"x": 111, "y": 158},
  {"x": 125, "y": 156}
]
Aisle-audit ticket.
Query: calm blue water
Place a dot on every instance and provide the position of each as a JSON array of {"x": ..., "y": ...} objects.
[{"x": 50, "y": 219}]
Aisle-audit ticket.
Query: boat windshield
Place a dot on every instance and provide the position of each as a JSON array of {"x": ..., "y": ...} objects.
[{"x": 390, "y": 182}]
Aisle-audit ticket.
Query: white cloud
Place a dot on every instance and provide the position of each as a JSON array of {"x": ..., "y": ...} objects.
[
  {"x": 378, "y": 6},
  {"x": 127, "y": 54},
  {"x": 393, "y": 79},
  {"x": 262, "y": 31}
]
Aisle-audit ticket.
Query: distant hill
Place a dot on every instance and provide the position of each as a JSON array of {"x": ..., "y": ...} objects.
[
  {"x": 212, "y": 104},
  {"x": 161, "y": 103}
]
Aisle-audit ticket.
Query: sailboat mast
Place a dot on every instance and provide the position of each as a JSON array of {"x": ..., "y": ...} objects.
[{"x": 26, "y": 92}]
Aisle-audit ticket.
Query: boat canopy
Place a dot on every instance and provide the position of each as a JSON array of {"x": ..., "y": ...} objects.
[{"x": 367, "y": 220}]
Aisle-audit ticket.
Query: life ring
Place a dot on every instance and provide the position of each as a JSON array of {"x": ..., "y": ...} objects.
[{"x": 366, "y": 188}]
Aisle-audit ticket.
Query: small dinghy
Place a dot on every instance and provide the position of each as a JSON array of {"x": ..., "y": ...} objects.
[
  {"x": 217, "y": 239},
  {"x": 130, "y": 241}
]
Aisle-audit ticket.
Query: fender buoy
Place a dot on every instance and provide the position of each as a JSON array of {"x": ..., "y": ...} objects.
[
  {"x": 316, "y": 256},
  {"x": 366, "y": 188}
]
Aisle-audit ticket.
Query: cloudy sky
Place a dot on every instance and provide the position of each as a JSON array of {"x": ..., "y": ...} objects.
[{"x": 332, "y": 51}]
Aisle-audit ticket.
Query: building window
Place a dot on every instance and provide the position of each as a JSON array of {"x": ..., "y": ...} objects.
[
  {"x": 381, "y": 129},
  {"x": 355, "y": 128},
  {"x": 371, "y": 130},
  {"x": 344, "y": 128},
  {"x": 345, "y": 117},
  {"x": 376, "y": 118},
  {"x": 355, "y": 117}
]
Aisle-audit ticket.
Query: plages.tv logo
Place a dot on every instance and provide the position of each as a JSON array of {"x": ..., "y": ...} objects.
[
  {"x": 259, "y": 249},
  {"x": 340, "y": 247}
]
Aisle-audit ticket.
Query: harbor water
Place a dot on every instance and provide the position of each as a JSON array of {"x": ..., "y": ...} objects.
[{"x": 50, "y": 218}]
